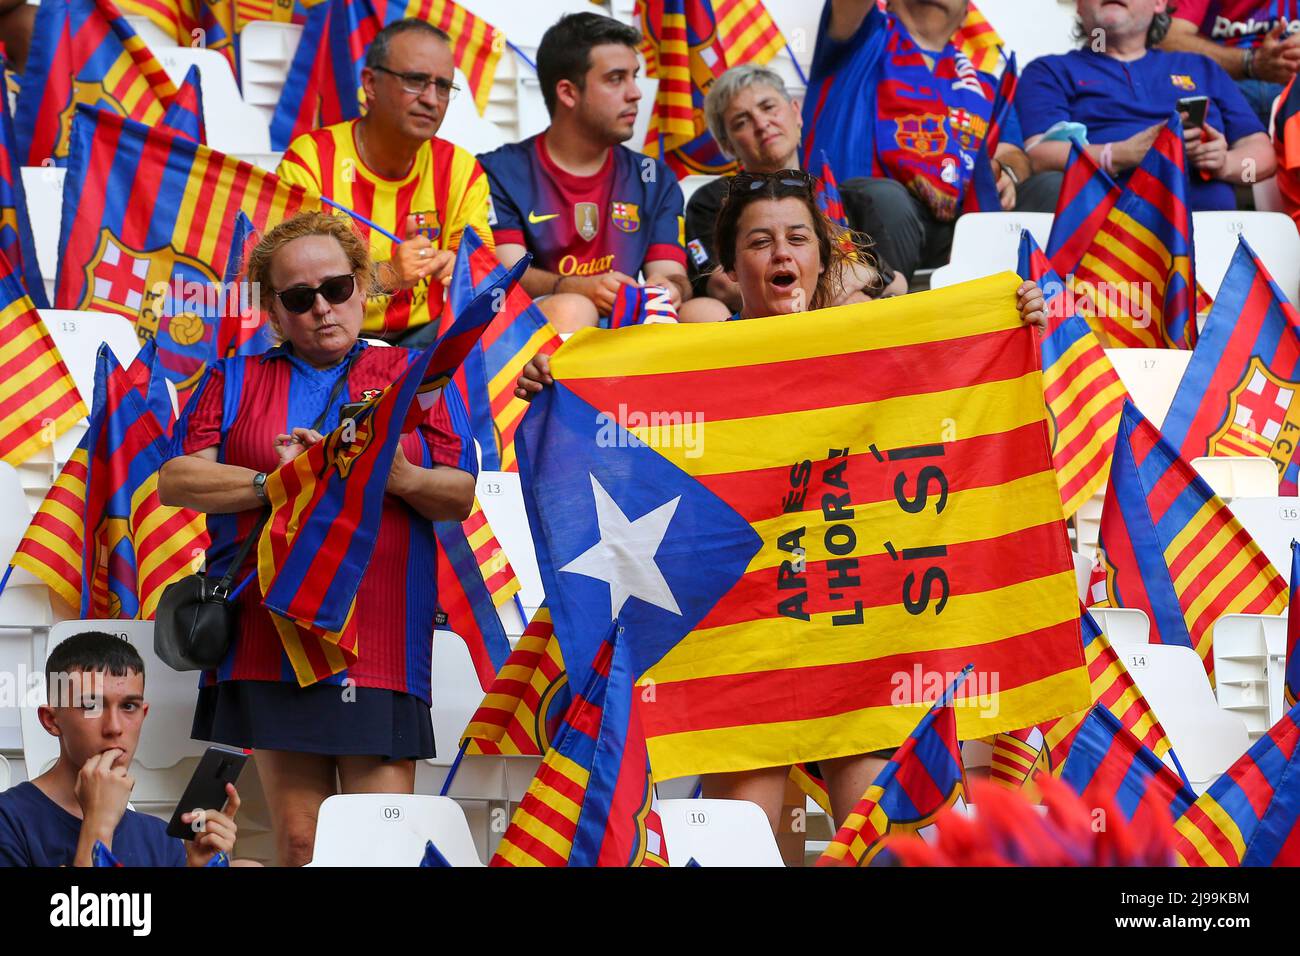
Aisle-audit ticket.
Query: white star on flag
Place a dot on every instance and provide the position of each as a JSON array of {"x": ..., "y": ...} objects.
[{"x": 624, "y": 557}]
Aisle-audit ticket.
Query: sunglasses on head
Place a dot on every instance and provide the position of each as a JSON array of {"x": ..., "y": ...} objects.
[
  {"x": 335, "y": 290},
  {"x": 782, "y": 182}
]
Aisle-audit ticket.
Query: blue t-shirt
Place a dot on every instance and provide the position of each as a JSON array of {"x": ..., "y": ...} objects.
[
  {"x": 628, "y": 214},
  {"x": 36, "y": 831},
  {"x": 1114, "y": 100}
]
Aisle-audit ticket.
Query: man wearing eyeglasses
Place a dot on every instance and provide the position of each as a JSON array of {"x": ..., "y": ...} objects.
[
  {"x": 593, "y": 213},
  {"x": 391, "y": 167}
]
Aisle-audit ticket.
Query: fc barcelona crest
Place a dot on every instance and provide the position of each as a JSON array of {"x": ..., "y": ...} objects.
[
  {"x": 626, "y": 216},
  {"x": 1261, "y": 410},
  {"x": 586, "y": 216},
  {"x": 923, "y": 135}
]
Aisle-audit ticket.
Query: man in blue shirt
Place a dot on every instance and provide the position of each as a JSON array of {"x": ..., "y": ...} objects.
[
  {"x": 95, "y": 684},
  {"x": 1121, "y": 92}
]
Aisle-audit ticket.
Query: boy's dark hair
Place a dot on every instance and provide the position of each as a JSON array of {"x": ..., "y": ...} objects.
[
  {"x": 92, "y": 651},
  {"x": 565, "y": 50},
  {"x": 377, "y": 52}
]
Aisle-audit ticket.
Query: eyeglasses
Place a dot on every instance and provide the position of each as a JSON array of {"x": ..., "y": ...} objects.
[
  {"x": 301, "y": 298},
  {"x": 417, "y": 83},
  {"x": 781, "y": 182}
]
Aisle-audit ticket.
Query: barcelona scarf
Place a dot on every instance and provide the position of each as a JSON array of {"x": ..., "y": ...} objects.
[
  {"x": 1250, "y": 816},
  {"x": 150, "y": 221},
  {"x": 1084, "y": 393},
  {"x": 84, "y": 53},
  {"x": 1172, "y": 548},
  {"x": 1237, "y": 396},
  {"x": 836, "y": 523},
  {"x": 924, "y": 777},
  {"x": 688, "y": 44},
  {"x": 592, "y": 802}
]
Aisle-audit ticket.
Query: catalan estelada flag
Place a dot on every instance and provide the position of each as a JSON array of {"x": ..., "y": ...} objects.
[
  {"x": 1238, "y": 395},
  {"x": 487, "y": 378},
  {"x": 466, "y": 601},
  {"x": 1292, "y": 680},
  {"x": 38, "y": 398},
  {"x": 16, "y": 243},
  {"x": 134, "y": 545},
  {"x": 1138, "y": 269},
  {"x": 522, "y": 710},
  {"x": 1172, "y": 547},
  {"x": 1106, "y": 762},
  {"x": 924, "y": 776},
  {"x": 591, "y": 802},
  {"x": 1250, "y": 816},
  {"x": 1084, "y": 393},
  {"x": 149, "y": 219},
  {"x": 185, "y": 114},
  {"x": 687, "y": 44},
  {"x": 325, "y": 503},
  {"x": 982, "y": 195},
  {"x": 845, "y": 519},
  {"x": 324, "y": 82},
  {"x": 84, "y": 52}
]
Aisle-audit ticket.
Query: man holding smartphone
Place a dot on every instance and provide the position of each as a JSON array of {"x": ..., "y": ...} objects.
[{"x": 95, "y": 685}]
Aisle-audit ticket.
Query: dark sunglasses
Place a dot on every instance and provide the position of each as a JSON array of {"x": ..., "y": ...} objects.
[
  {"x": 783, "y": 182},
  {"x": 335, "y": 291}
]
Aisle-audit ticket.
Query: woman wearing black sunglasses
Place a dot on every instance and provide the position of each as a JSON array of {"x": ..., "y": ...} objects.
[
  {"x": 368, "y": 721},
  {"x": 786, "y": 257}
]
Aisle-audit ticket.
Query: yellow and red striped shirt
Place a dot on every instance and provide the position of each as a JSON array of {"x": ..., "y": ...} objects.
[{"x": 445, "y": 183}]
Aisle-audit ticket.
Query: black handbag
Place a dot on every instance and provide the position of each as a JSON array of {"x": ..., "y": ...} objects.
[{"x": 196, "y": 619}]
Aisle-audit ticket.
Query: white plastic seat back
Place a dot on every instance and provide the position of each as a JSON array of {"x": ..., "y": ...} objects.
[
  {"x": 1239, "y": 477},
  {"x": 718, "y": 833},
  {"x": 43, "y": 186},
  {"x": 24, "y": 607},
  {"x": 232, "y": 126},
  {"x": 266, "y": 52},
  {"x": 391, "y": 829},
  {"x": 6, "y": 774},
  {"x": 165, "y": 740},
  {"x": 462, "y": 124},
  {"x": 456, "y": 693},
  {"x": 154, "y": 36},
  {"x": 1250, "y": 667},
  {"x": 1151, "y": 377},
  {"x": 690, "y": 184},
  {"x": 502, "y": 500},
  {"x": 985, "y": 243},
  {"x": 1082, "y": 574},
  {"x": 1206, "y": 738},
  {"x": 1273, "y": 523},
  {"x": 1272, "y": 235},
  {"x": 268, "y": 161},
  {"x": 79, "y": 336},
  {"x": 1123, "y": 625}
]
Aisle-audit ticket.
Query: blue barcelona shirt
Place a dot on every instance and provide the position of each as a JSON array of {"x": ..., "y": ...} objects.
[{"x": 629, "y": 213}]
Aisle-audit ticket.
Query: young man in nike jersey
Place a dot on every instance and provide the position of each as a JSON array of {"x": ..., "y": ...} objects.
[
  {"x": 391, "y": 167},
  {"x": 593, "y": 213}
]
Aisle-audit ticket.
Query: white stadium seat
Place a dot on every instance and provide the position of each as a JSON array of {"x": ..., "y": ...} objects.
[
  {"x": 691, "y": 183},
  {"x": 266, "y": 51},
  {"x": 718, "y": 833},
  {"x": 1151, "y": 377},
  {"x": 391, "y": 829},
  {"x": 1082, "y": 573},
  {"x": 268, "y": 161},
  {"x": 232, "y": 125},
  {"x": 1249, "y": 667},
  {"x": 1273, "y": 523},
  {"x": 1206, "y": 738},
  {"x": 1123, "y": 625},
  {"x": 1239, "y": 477},
  {"x": 43, "y": 186},
  {"x": 1272, "y": 235},
  {"x": 985, "y": 243},
  {"x": 502, "y": 501},
  {"x": 24, "y": 606},
  {"x": 79, "y": 336},
  {"x": 6, "y": 774},
  {"x": 154, "y": 36}
]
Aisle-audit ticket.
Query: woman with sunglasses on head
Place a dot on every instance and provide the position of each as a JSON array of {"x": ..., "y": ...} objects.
[
  {"x": 786, "y": 257},
  {"x": 369, "y": 721}
]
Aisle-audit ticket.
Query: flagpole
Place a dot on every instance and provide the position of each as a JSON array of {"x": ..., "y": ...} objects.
[
  {"x": 233, "y": 594},
  {"x": 5, "y": 580},
  {"x": 1179, "y": 767},
  {"x": 797, "y": 68},
  {"x": 521, "y": 54},
  {"x": 455, "y": 765},
  {"x": 360, "y": 218}
]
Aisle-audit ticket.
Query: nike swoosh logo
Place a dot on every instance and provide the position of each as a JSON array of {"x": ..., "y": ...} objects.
[{"x": 534, "y": 219}]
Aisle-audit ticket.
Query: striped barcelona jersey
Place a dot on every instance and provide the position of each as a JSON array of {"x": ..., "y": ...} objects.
[
  {"x": 239, "y": 407},
  {"x": 616, "y": 220},
  {"x": 444, "y": 183}
]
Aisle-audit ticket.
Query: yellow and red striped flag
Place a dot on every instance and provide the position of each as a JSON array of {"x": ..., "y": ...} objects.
[
  {"x": 38, "y": 399},
  {"x": 498, "y": 575},
  {"x": 979, "y": 41},
  {"x": 854, "y": 508},
  {"x": 476, "y": 45},
  {"x": 51, "y": 546}
]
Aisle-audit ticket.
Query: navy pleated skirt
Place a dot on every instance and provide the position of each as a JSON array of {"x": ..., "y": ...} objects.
[{"x": 278, "y": 715}]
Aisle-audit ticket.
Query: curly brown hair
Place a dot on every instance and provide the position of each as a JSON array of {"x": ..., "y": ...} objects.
[
  {"x": 300, "y": 226},
  {"x": 837, "y": 246}
]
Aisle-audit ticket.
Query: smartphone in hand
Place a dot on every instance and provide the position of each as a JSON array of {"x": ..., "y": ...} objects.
[
  {"x": 1194, "y": 109},
  {"x": 207, "y": 788}
]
